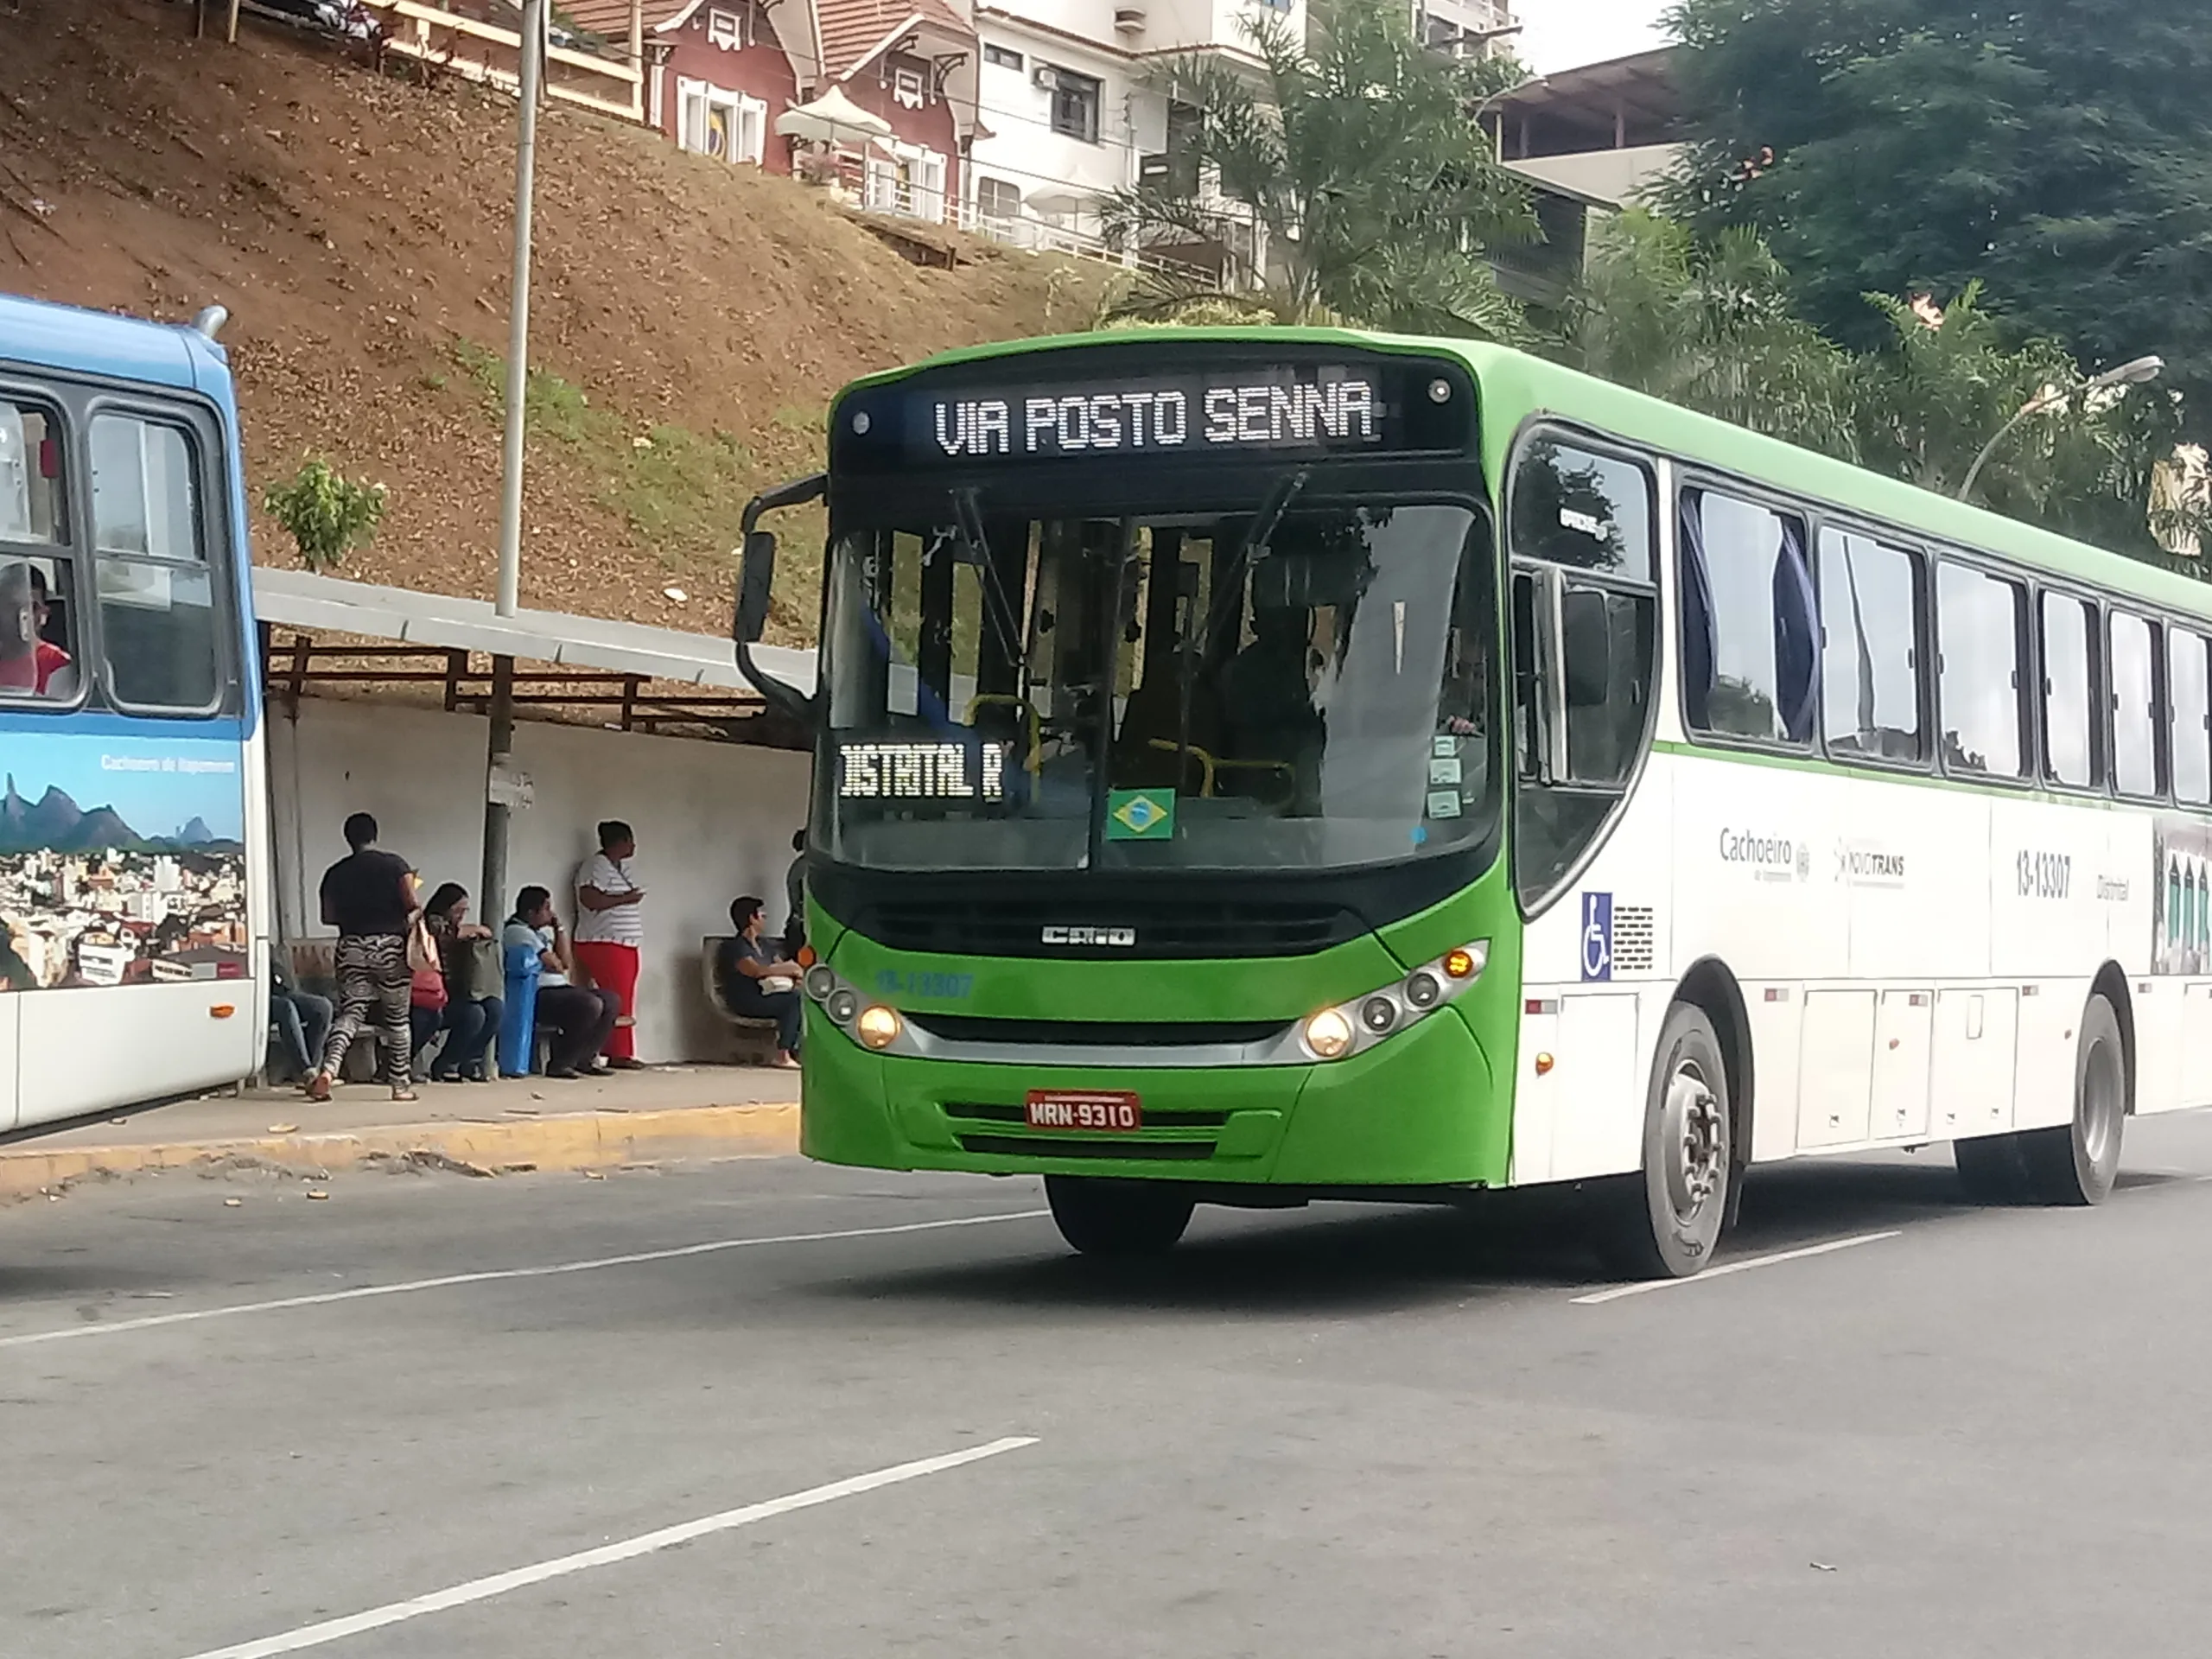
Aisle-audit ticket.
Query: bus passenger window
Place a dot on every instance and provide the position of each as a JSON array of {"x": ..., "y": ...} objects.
[
  {"x": 156, "y": 593},
  {"x": 30, "y": 476},
  {"x": 35, "y": 659},
  {"x": 1978, "y": 634},
  {"x": 2189, "y": 707},
  {"x": 1870, "y": 662},
  {"x": 2069, "y": 734},
  {"x": 1585, "y": 511},
  {"x": 2135, "y": 648},
  {"x": 1749, "y": 624}
]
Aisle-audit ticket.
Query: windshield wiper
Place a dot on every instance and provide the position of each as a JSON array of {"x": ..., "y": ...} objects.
[{"x": 976, "y": 548}]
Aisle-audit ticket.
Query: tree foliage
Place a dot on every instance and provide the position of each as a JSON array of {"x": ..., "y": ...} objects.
[
  {"x": 328, "y": 514},
  {"x": 2057, "y": 150},
  {"x": 1711, "y": 326},
  {"x": 1355, "y": 154}
]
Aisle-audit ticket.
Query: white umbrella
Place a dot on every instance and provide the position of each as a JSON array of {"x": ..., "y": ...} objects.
[{"x": 830, "y": 118}]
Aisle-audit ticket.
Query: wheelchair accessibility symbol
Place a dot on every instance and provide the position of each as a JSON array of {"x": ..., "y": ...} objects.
[{"x": 1597, "y": 935}]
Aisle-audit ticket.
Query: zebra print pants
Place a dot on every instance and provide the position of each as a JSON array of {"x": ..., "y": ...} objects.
[{"x": 372, "y": 976}]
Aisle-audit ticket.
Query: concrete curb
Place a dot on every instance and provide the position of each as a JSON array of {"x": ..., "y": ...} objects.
[{"x": 563, "y": 1140}]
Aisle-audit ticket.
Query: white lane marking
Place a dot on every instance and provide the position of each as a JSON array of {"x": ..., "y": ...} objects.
[
  {"x": 149, "y": 1322},
  {"x": 394, "y": 1613},
  {"x": 1727, "y": 1268}
]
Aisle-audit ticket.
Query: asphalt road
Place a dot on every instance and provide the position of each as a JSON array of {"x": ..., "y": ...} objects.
[{"x": 1332, "y": 1433}]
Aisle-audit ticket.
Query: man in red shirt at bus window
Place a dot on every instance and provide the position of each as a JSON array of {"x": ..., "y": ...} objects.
[{"x": 28, "y": 662}]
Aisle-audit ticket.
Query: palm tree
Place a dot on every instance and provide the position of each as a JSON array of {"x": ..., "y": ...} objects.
[{"x": 1346, "y": 180}]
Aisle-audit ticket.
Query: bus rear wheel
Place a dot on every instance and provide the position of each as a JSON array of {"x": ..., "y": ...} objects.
[
  {"x": 1100, "y": 1217},
  {"x": 1664, "y": 1223},
  {"x": 1990, "y": 1168},
  {"x": 2078, "y": 1162}
]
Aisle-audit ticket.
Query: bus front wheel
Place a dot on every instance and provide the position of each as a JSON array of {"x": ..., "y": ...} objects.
[
  {"x": 1664, "y": 1223},
  {"x": 1117, "y": 1218}
]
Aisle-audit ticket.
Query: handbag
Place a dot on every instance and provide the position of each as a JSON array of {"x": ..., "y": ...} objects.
[
  {"x": 421, "y": 948},
  {"x": 777, "y": 984}
]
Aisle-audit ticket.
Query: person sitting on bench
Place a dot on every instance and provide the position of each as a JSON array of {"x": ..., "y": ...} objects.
[
  {"x": 748, "y": 970},
  {"x": 583, "y": 1015}
]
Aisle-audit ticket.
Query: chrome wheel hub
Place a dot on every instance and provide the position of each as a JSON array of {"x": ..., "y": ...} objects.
[
  {"x": 1695, "y": 1142},
  {"x": 2103, "y": 1100}
]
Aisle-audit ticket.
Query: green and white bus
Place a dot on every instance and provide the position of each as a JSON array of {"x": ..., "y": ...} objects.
[{"x": 1257, "y": 765}]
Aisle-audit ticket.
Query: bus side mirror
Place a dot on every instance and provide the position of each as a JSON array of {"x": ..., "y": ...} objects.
[
  {"x": 756, "y": 579},
  {"x": 1587, "y": 646}
]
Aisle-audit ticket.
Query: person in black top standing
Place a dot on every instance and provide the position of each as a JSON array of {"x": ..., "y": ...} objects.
[
  {"x": 795, "y": 892},
  {"x": 369, "y": 897}
]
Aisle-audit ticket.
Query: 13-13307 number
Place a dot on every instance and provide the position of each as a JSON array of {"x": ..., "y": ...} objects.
[{"x": 2045, "y": 875}]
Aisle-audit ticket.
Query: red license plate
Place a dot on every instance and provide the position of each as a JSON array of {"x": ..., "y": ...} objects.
[{"x": 1074, "y": 1109}]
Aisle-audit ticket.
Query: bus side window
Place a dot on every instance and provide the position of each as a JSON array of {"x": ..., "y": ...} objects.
[
  {"x": 1980, "y": 635},
  {"x": 160, "y": 630},
  {"x": 2189, "y": 711},
  {"x": 37, "y": 636},
  {"x": 1583, "y": 625}
]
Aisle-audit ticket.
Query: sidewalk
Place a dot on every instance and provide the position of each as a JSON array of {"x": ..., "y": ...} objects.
[{"x": 678, "y": 1111}]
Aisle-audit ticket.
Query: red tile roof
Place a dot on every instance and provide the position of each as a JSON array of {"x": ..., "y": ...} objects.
[{"x": 854, "y": 31}]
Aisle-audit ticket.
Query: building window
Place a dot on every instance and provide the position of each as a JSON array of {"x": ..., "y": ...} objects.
[
  {"x": 910, "y": 183},
  {"x": 997, "y": 202},
  {"x": 733, "y": 29},
  {"x": 727, "y": 126},
  {"x": 1003, "y": 57},
  {"x": 908, "y": 88},
  {"x": 1075, "y": 103}
]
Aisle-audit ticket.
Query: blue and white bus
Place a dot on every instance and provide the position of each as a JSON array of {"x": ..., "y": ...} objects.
[{"x": 134, "y": 855}]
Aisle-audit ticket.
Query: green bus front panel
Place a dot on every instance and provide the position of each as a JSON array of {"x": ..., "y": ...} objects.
[{"x": 1431, "y": 1105}]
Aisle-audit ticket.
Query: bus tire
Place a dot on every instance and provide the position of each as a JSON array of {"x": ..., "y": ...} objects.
[
  {"x": 1990, "y": 1168},
  {"x": 1665, "y": 1222},
  {"x": 2076, "y": 1163},
  {"x": 1100, "y": 1217}
]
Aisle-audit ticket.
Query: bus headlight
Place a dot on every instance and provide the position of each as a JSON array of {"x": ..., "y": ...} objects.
[
  {"x": 844, "y": 1003},
  {"x": 1355, "y": 1026},
  {"x": 1328, "y": 1033},
  {"x": 878, "y": 1026},
  {"x": 822, "y": 983}
]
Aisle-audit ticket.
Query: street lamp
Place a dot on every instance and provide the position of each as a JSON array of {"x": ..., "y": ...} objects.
[{"x": 2133, "y": 373}]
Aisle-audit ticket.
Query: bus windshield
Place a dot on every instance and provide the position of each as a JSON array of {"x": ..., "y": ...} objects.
[{"x": 1304, "y": 686}]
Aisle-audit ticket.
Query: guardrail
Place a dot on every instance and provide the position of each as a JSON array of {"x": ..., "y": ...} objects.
[{"x": 486, "y": 54}]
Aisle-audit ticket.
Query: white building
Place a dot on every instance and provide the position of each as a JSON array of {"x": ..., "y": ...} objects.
[
  {"x": 1465, "y": 28},
  {"x": 1074, "y": 107}
]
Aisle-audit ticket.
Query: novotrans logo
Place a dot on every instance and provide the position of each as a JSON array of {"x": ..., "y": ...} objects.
[{"x": 1597, "y": 935}]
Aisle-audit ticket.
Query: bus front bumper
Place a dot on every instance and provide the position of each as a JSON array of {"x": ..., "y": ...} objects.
[{"x": 1422, "y": 1109}]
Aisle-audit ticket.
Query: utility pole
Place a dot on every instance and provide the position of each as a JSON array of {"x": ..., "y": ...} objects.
[
  {"x": 533, "y": 69},
  {"x": 499, "y": 740}
]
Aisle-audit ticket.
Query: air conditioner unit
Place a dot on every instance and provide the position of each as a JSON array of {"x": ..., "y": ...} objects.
[
  {"x": 1130, "y": 20},
  {"x": 1047, "y": 77}
]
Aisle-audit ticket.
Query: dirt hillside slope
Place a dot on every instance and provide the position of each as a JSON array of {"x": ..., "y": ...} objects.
[{"x": 693, "y": 318}]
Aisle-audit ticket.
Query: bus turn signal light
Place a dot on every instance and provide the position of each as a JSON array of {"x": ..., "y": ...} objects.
[
  {"x": 805, "y": 957},
  {"x": 1458, "y": 964}
]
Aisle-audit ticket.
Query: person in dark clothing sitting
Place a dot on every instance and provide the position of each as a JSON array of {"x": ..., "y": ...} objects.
[{"x": 745, "y": 968}]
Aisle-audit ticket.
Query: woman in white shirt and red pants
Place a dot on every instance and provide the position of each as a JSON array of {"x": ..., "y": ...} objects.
[{"x": 610, "y": 930}]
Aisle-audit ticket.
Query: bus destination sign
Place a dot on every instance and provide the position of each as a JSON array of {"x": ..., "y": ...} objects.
[{"x": 1235, "y": 409}]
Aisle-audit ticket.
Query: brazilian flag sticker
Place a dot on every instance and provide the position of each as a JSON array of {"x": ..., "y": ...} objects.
[{"x": 1140, "y": 815}]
